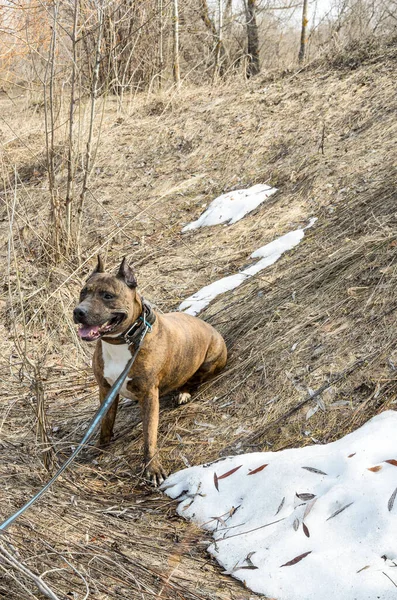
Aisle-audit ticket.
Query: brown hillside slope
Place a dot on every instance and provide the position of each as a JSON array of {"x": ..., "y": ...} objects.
[{"x": 322, "y": 318}]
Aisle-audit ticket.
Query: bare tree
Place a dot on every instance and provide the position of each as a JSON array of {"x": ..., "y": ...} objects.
[
  {"x": 176, "y": 67},
  {"x": 70, "y": 175},
  {"x": 88, "y": 159},
  {"x": 216, "y": 34},
  {"x": 161, "y": 44},
  {"x": 204, "y": 14},
  {"x": 302, "y": 48},
  {"x": 219, "y": 43},
  {"x": 253, "y": 66},
  {"x": 140, "y": 40},
  {"x": 49, "y": 120}
]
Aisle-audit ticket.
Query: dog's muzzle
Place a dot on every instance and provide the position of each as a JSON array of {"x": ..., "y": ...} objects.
[
  {"x": 91, "y": 331},
  {"x": 79, "y": 315}
]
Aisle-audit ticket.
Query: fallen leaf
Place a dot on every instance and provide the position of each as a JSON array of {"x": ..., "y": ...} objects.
[
  {"x": 249, "y": 567},
  {"x": 363, "y": 569},
  {"x": 311, "y": 412},
  {"x": 375, "y": 469},
  {"x": 351, "y": 455},
  {"x": 392, "y": 461},
  {"x": 305, "y": 497},
  {"x": 295, "y": 524},
  {"x": 305, "y": 530},
  {"x": 257, "y": 469},
  {"x": 313, "y": 470},
  {"x": 390, "y": 504},
  {"x": 281, "y": 506},
  {"x": 216, "y": 481},
  {"x": 340, "y": 510},
  {"x": 296, "y": 559},
  {"x": 229, "y": 472},
  {"x": 309, "y": 506}
]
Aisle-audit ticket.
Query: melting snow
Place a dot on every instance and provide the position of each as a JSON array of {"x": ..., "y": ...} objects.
[
  {"x": 269, "y": 254},
  {"x": 315, "y": 522},
  {"x": 233, "y": 206},
  {"x": 196, "y": 303}
]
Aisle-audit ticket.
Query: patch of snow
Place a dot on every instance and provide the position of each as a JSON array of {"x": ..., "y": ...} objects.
[
  {"x": 314, "y": 522},
  {"x": 269, "y": 254},
  {"x": 233, "y": 206},
  {"x": 196, "y": 303}
]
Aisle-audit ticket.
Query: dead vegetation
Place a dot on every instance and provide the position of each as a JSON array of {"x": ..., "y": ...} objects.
[{"x": 315, "y": 332}]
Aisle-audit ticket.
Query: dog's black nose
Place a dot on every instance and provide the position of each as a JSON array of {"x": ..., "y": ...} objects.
[{"x": 79, "y": 314}]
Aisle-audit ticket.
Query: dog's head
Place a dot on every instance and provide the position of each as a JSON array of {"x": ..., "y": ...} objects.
[{"x": 108, "y": 303}]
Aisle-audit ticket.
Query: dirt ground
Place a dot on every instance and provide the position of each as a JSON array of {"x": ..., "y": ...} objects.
[{"x": 320, "y": 321}]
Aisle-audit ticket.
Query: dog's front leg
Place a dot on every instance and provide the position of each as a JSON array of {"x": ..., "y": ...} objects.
[
  {"x": 109, "y": 418},
  {"x": 149, "y": 404}
]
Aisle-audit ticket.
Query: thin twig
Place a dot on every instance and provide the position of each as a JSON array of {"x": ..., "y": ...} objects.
[{"x": 14, "y": 563}]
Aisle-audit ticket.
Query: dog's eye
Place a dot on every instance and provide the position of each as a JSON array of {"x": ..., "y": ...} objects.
[
  {"x": 83, "y": 294},
  {"x": 107, "y": 296}
]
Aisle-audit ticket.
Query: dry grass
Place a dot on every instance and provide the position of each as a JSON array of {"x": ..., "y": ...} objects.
[{"x": 322, "y": 317}]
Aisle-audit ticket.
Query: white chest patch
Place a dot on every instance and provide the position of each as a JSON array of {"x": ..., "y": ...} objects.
[{"x": 115, "y": 357}]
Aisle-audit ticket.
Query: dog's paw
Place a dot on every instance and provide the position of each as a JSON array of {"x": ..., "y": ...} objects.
[
  {"x": 154, "y": 473},
  {"x": 183, "y": 398}
]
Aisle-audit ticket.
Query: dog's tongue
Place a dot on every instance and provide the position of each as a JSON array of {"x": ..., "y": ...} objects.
[{"x": 88, "y": 332}]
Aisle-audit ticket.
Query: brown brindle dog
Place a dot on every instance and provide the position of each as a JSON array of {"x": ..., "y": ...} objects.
[{"x": 178, "y": 353}]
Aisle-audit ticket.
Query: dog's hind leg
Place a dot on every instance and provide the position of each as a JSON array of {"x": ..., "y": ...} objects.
[
  {"x": 214, "y": 362},
  {"x": 109, "y": 418}
]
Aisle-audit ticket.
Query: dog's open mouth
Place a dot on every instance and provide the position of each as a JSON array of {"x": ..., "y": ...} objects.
[{"x": 90, "y": 333}]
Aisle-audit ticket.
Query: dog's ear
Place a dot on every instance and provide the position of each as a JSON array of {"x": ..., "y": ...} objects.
[
  {"x": 127, "y": 274},
  {"x": 99, "y": 267}
]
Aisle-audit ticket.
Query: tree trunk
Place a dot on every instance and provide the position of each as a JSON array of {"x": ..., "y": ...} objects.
[
  {"x": 88, "y": 162},
  {"x": 161, "y": 42},
  {"x": 302, "y": 49},
  {"x": 253, "y": 66},
  {"x": 228, "y": 11},
  {"x": 219, "y": 44},
  {"x": 71, "y": 165},
  {"x": 49, "y": 120},
  {"x": 176, "y": 70},
  {"x": 216, "y": 35},
  {"x": 204, "y": 14}
]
